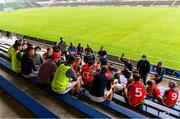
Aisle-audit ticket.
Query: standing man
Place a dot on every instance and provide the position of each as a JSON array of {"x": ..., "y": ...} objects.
[
  {"x": 80, "y": 50},
  {"x": 128, "y": 67},
  {"x": 102, "y": 54},
  {"x": 63, "y": 46},
  {"x": 143, "y": 67}
]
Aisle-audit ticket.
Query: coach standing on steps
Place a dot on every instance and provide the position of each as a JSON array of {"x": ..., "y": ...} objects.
[{"x": 143, "y": 67}]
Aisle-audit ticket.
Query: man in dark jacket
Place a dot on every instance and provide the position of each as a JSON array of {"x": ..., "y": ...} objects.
[
  {"x": 28, "y": 65},
  {"x": 143, "y": 67}
]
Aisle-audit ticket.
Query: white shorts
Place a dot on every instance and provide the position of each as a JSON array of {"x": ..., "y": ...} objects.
[
  {"x": 96, "y": 99},
  {"x": 31, "y": 75}
]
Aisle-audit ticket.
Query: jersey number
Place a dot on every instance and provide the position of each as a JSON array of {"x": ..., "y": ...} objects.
[
  {"x": 174, "y": 96},
  {"x": 86, "y": 75},
  {"x": 138, "y": 92}
]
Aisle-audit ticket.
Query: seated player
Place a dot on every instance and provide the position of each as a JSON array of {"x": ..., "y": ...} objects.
[
  {"x": 47, "y": 69},
  {"x": 135, "y": 93},
  {"x": 115, "y": 79},
  {"x": 96, "y": 68},
  {"x": 77, "y": 65},
  {"x": 101, "y": 87},
  {"x": 153, "y": 91},
  {"x": 171, "y": 95},
  {"x": 72, "y": 49},
  {"x": 86, "y": 74},
  {"x": 37, "y": 57},
  {"x": 65, "y": 77},
  {"x": 102, "y": 54},
  {"x": 16, "y": 64},
  {"x": 47, "y": 55},
  {"x": 89, "y": 54},
  {"x": 11, "y": 48},
  {"x": 28, "y": 66},
  {"x": 159, "y": 73}
]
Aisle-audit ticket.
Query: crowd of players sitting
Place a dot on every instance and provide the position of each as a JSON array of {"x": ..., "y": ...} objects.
[{"x": 68, "y": 67}]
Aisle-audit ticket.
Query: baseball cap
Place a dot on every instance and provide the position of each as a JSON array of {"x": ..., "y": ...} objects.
[{"x": 55, "y": 55}]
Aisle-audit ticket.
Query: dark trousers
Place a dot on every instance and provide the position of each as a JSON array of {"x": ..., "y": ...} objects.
[
  {"x": 65, "y": 53},
  {"x": 144, "y": 77}
]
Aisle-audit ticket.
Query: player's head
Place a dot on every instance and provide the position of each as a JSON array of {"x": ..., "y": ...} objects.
[
  {"x": 172, "y": 84},
  {"x": 149, "y": 83},
  {"x": 159, "y": 64},
  {"x": 136, "y": 77},
  {"x": 61, "y": 39},
  {"x": 104, "y": 69},
  {"x": 143, "y": 57}
]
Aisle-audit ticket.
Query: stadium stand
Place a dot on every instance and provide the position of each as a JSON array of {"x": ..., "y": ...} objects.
[
  {"x": 114, "y": 106},
  {"x": 177, "y": 3},
  {"x": 168, "y": 3},
  {"x": 71, "y": 101},
  {"x": 80, "y": 106},
  {"x": 25, "y": 100}
]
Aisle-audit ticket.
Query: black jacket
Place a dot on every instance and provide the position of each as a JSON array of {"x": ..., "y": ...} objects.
[
  {"x": 100, "y": 83},
  {"x": 143, "y": 67},
  {"x": 27, "y": 64}
]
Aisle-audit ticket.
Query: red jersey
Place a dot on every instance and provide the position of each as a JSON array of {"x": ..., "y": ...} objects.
[
  {"x": 136, "y": 94},
  {"x": 170, "y": 97},
  {"x": 109, "y": 75},
  {"x": 76, "y": 67},
  {"x": 153, "y": 91},
  {"x": 95, "y": 67},
  {"x": 86, "y": 74},
  {"x": 129, "y": 82}
]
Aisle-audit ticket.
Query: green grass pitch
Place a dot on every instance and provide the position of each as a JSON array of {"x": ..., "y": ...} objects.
[{"x": 154, "y": 31}]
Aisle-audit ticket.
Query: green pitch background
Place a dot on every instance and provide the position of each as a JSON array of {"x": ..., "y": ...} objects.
[{"x": 133, "y": 30}]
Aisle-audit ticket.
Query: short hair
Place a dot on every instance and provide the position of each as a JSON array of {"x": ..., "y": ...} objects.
[
  {"x": 172, "y": 84},
  {"x": 159, "y": 63},
  {"x": 149, "y": 83},
  {"x": 37, "y": 48},
  {"x": 29, "y": 45},
  {"x": 104, "y": 69},
  {"x": 70, "y": 59},
  {"x": 29, "y": 49},
  {"x": 143, "y": 56},
  {"x": 61, "y": 38},
  {"x": 16, "y": 45},
  {"x": 136, "y": 77},
  {"x": 90, "y": 63},
  {"x": 48, "y": 49},
  {"x": 17, "y": 41}
]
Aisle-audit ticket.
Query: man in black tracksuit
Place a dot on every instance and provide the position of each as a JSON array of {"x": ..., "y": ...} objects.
[{"x": 143, "y": 67}]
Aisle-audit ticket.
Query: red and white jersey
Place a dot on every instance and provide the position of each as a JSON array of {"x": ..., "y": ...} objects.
[
  {"x": 136, "y": 94},
  {"x": 170, "y": 97},
  {"x": 153, "y": 91},
  {"x": 86, "y": 74}
]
